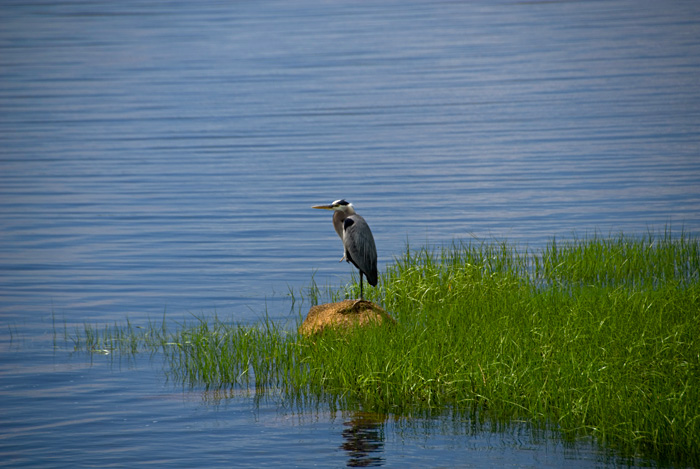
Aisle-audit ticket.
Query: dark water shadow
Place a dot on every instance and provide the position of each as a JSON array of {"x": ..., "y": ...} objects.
[{"x": 364, "y": 439}]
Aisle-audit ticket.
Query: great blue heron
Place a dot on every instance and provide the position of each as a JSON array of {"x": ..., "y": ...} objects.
[{"x": 357, "y": 238}]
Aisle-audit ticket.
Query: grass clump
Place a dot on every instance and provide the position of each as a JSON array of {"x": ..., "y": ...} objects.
[
  {"x": 597, "y": 337},
  {"x": 543, "y": 337}
]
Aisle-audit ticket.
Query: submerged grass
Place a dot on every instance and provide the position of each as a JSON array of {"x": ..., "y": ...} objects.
[{"x": 597, "y": 336}]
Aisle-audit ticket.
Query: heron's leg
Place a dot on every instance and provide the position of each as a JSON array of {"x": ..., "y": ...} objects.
[{"x": 361, "y": 296}]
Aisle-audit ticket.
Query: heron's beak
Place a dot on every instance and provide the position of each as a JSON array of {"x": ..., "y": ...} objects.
[{"x": 323, "y": 207}]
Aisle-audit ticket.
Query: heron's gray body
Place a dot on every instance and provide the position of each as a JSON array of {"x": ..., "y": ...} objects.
[
  {"x": 358, "y": 242},
  {"x": 359, "y": 247}
]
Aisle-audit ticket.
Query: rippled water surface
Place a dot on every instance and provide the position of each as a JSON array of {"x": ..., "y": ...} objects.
[{"x": 162, "y": 159}]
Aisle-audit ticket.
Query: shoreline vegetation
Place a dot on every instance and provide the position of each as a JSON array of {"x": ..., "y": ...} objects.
[{"x": 596, "y": 337}]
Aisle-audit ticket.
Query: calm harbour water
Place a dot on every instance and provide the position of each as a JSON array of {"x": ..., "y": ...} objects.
[{"x": 162, "y": 159}]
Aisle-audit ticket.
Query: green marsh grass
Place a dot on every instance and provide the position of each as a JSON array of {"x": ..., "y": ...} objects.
[{"x": 594, "y": 337}]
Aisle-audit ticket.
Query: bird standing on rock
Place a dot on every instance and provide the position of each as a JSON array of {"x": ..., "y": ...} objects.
[{"x": 357, "y": 238}]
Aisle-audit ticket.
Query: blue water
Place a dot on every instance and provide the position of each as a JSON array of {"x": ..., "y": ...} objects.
[{"x": 162, "y": 159}]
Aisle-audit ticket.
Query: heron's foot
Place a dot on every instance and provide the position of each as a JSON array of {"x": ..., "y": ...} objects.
[{"x": 357, "y": 302}]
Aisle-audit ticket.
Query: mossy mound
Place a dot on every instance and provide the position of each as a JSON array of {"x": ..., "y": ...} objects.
[{"x": 343, "y": 315}]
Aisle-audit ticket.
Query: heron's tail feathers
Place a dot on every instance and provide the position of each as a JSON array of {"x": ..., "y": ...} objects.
[{"x": 372, "y": 277}]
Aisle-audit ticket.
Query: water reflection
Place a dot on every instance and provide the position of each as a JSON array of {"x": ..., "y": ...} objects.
[{"x": 364, "y": 439}]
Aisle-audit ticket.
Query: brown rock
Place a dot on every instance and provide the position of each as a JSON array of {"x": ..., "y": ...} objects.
[{"x": 345, "y": 314}]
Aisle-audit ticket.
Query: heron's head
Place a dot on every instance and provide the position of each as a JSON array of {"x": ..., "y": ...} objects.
[{"x": 341, "y": 205}]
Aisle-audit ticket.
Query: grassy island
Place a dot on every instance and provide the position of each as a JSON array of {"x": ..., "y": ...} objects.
[{"x": 597, "y": 337}]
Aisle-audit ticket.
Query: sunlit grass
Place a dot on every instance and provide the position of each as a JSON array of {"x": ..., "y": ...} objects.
[{"x": 597, "y": 336}]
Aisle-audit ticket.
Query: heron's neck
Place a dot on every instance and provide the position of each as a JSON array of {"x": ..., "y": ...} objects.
[{"x": 338, "y": 218}]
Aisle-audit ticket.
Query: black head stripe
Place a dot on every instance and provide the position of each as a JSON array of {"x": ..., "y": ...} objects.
[{"x": 341, "y": 202}]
